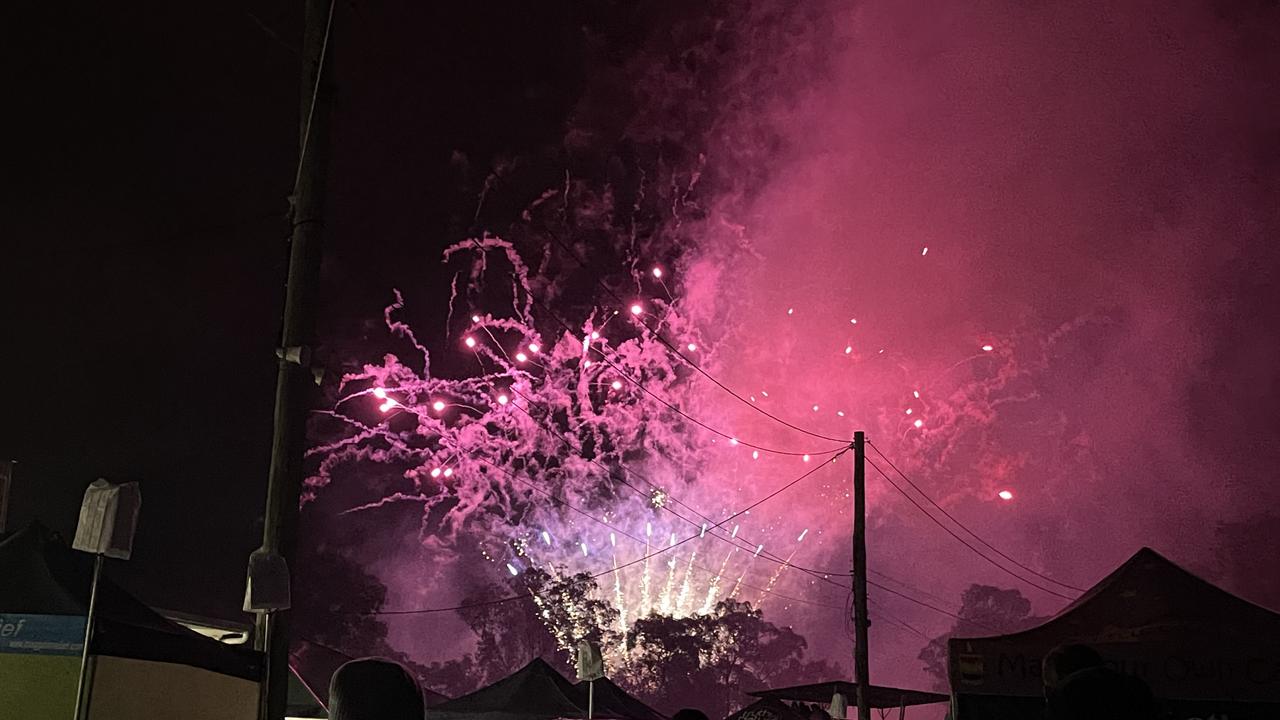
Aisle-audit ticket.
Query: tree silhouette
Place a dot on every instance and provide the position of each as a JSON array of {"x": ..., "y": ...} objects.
[
  {"x": 708, "y": 661},
  {"x": 984, "y": 610},
  {"x": 332, "y": 598}
]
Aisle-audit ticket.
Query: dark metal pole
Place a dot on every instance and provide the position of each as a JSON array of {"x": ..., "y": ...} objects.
[
  {"x": 294, "y": 380},
  {"x": 860, "y": 661},
  {"x": 83, "y": 689}
]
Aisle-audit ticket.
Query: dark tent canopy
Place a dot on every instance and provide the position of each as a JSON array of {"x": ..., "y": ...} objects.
[
  {"x": 43, "y": 576},
  {"x": 878, "y": 696},
  {"x": 1202, "y": 650},
  {"x": 612, "y": 701},
  {"x": 537, "y": 692},
  {"x": 768, "y": 709}
]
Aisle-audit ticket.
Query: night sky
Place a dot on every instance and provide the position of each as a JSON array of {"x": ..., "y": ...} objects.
[
  {"x": 1097, "y": 193},
  {"x": 145, "y": 222}
]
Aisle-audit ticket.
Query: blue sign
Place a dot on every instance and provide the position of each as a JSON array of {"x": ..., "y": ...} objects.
[{"x": 41, "y": 634}]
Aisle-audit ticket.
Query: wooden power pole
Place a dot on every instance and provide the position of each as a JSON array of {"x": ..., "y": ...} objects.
[
  {"x": 861, "y": 663},
  {"x": 295, "y": 380}
]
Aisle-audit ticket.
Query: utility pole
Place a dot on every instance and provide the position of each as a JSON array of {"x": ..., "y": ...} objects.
[
  {"x": 295, "y": 377},
  {"x": 861, "y": 664}
]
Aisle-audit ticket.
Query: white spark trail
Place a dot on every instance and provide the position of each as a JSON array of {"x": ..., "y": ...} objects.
[
  {"x": 714, "y": 588},
  {"x": 393, "y": 498}
]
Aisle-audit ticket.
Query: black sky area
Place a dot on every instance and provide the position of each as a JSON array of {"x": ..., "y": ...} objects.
[{"x": 150, "y": 152}]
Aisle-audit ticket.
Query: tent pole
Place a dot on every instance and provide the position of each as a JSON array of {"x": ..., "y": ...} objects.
[{"x": 82, "y": 688}]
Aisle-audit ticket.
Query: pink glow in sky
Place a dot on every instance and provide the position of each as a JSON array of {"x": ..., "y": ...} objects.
[{"x": 1040, "y": 214}]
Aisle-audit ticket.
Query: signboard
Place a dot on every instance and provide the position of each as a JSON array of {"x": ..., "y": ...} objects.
[
  {"x": 1249, "y": 672},
  {"x": 108, "y": 519},
  {"x": 41, "y": 634},
  {"x": 590, "y": 662}
]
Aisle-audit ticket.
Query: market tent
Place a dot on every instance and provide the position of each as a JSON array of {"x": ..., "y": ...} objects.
[
  {"x": 768, "y": 709},
  {"x": 537, "y": 692},
  {"x": 1202, "y": 650},
  {"x": 534, "y": 692},
  {"x": 143, "y": 664},
  {"x": 878, "y": 696},
  {"x": 613, "y": 701}
]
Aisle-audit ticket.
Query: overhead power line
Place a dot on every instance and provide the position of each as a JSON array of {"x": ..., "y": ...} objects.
[
  {"x": 647, "y": 556},
  {"x": 672, "y": 349},
  {"x": 613, "y": 528},
  {"x": 975, "y": 535},
  {"x": 741, "y": 543},
  {"x": 962, "y": 541}
]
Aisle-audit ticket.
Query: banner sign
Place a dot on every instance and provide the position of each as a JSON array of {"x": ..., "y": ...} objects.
[
  {"x": 41, "y": 634},
  {"x": 1246, "y": 671}
]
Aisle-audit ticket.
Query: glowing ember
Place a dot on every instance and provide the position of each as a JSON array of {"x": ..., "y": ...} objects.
[{"x": 658, "y": 498}]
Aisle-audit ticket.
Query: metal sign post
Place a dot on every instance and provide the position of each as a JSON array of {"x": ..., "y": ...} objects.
[
  {"x": 82, "y": 686},
  {"x": 108, "y": 518}
]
